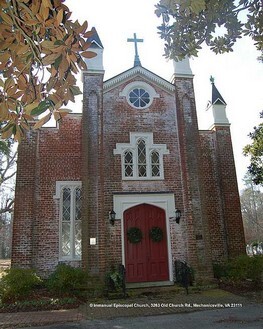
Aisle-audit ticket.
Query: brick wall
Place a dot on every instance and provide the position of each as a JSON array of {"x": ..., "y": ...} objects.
[
  {"x": 48, "y": 156},
  {"x": 93, "y": 175},
  {"x": 24, "y": 209},
  {"x": 119, "y": 120},
  {"x": 198, "y": 238},
  {"x": 213, "y": 197},
  {"x": 199, "y": 171},
  {"x": 222, "y": 197}
]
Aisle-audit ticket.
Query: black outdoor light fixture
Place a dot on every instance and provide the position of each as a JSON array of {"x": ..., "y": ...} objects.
[
  {"x": 177, "y": 215},
  {"x": 112, "y": 216}
]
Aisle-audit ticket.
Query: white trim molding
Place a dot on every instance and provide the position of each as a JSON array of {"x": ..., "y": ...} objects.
[
  {"x": 165, "y": 201},
  {"x": 150, "y": 147},
  {"x": 71, "y": 221},
  {"x": 142, "y": 73},
  {"x": 60, "y": 184},
  {"x": 139, "y": 84}
]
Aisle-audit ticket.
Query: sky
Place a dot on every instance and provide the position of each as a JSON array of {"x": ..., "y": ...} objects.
[{"x": 238, "y": 75}]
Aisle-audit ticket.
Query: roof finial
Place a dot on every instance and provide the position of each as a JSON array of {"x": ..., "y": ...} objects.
[
  {"x": 135, "y": 40},
  {"x": 212, "y": 79}
]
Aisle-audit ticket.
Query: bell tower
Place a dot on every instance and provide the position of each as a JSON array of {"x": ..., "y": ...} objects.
[
  {"x": 229, "y": 216},
  {"x": 92, "y": 151},
  {"x": 198, "y": 252}
]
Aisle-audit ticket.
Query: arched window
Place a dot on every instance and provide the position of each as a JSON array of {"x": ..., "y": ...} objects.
[
  {"x": 70, "y": 237},
  {"x": 128, "y": 164},
  {"x": 77, "y": 223},
  {"x": 155, "y": 164},
  {"x": 141, "y": 156},
  {"x": 66, "y": 225}
]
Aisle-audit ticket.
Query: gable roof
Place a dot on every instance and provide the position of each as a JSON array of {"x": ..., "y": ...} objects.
[{"x": 138, "y": 71}]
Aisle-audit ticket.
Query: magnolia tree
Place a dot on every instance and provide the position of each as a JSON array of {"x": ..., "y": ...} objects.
[
  {"x": 187, "y": 24},
  {"x": 41, "y": 50}
]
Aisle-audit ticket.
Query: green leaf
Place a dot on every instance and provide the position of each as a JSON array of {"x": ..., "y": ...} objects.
[
  {"x": 4, "y": 149},
  {"x": 197, "y": 6},
  {"x": 59, "y": 43},
  {"x": 41, "y": 108},
  {"x": 57, "y": 62}
]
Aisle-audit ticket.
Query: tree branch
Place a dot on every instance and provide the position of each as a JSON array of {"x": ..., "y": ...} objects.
[
  {"x": 8, "y": 206},
  {"x": 10, "y": 161}
]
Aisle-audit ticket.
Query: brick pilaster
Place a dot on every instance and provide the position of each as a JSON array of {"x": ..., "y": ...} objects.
[
  {"x": 24, "y": 210},
  {"x": 93, "y": 173},
  {"x": 198, "y": 248}
]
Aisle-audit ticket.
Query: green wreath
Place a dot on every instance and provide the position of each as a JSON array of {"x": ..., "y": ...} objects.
[
  {"x": 134, "y": 235},
  {"x": 156, "y": 234}
]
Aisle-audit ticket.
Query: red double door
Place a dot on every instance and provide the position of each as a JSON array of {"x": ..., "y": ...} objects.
[{"x": 147, "y": 260}]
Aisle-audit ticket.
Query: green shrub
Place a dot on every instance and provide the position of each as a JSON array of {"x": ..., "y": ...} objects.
[
  {"x": 113, "y": 280},
  {"x": 241, "y": 268},
  {"x": 245, "y": 267},
  {"x": 67, "y": 280},
  {"x": 18, "y": 283},
  {"x": 221, "y": 270}
]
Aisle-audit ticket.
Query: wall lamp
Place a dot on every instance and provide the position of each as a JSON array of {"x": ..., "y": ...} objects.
[
  {"x": 112, "y": 216},
  {"x": 177, "y": 215}
]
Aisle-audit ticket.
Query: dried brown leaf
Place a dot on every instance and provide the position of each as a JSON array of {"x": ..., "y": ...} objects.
[
  {"x": 22, "y": 82},
  {"x": 35, "y": 7},
  {"x": 3, "y": 111},
  {"x": 6, "y": 18},
  {"x": 47, "y": 4},
  {"x": 9, "y": 83},
  {"x": 82, "y": 29},
  {"x": 23, "y": 49},
  {"x": 48, "y": 44},
  {"x": 28, "y": 108},
  {"x": 49, "y": 59},
  {"x": 18, "y": 134},
  {"x": 59, "y": 17},
  {"x": 84, "y": 44},
  {"x": 8, "y": 133},
  {"x": 88, "y": 54},
  {"x": 42, "y": 121}
]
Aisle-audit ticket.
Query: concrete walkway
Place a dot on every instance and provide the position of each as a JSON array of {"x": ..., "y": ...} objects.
[{"x": 144, "y": 304}]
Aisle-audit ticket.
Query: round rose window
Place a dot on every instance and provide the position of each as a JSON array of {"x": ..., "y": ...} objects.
[{"x": 139, "y": 98}]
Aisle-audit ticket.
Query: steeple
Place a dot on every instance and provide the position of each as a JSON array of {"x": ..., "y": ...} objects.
[
  {"x": 216, "y": 108},
  {"x": 137, "y": 61},
  {"x": 95, "y": 64},
  {"x": 216, "y": 96}
]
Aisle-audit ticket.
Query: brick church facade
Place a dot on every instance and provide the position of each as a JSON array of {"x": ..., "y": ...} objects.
[{"x": 135, "y": 151}]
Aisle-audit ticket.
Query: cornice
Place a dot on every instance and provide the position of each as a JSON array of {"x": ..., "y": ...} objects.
[{"x": 135, "y": 71}]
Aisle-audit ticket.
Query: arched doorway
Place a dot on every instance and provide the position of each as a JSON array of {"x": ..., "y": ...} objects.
[{"x": 147, "y": 260}]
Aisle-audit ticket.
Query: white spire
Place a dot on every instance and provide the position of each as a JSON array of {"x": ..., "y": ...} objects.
[
  {"x": 216, "y": 109},
  {"x": 95, "y": 64},
  {"x": 182, "y": 69}
]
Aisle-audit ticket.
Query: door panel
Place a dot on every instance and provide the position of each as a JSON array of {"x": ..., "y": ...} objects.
[{"x": 146, "y": 261}]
